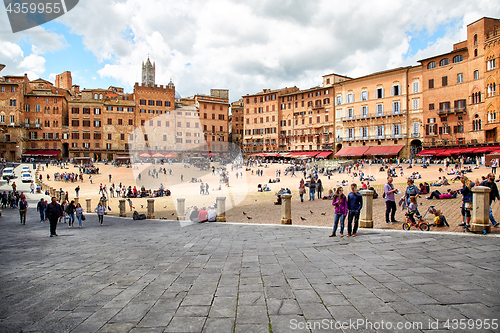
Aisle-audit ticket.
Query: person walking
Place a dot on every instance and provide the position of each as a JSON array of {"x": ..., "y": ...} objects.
[
  {"x": 312, "y": 189},
  {"x": 466, "y": 200},
  {"x": 207, "y": 189},
  {"x": 354, "y": 204},
  {"x": 53, "y": 212},
  {"x": 412, "y": 191},
  {"x": 390, "y": 201},
  {"x": 63, "y": 215},
  {"x": 100, "y": 210},
  {"x": 70, "y": 209},
  {"x": 77, "y": 190},
  {"x": 319, "y": 188},
  {"x": 40, "y": 208},
  {"x": 494, "y": 195},
  {"x": 340, "y": 204},
  {"x": 494, "y": 165},
  {"x": 23, "y": 207},
  {"x": 32, "y": 188},
  {"x": 79, "y": 214},
  {"x": 302, "y": 190}
]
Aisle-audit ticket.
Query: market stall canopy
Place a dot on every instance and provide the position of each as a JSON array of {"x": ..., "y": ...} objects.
[
  {"x": 384, "y": 150},
  {"x": 158, "y": 155},
  {"x": 351, "y": 151},
  {"x": 144, "y": 155}
]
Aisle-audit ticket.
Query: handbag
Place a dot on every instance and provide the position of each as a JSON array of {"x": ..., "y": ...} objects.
[{"x": 83, "y": 217}]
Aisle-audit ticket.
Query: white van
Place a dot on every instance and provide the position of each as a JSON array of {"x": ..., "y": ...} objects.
[{"x": 8, "y": 173}]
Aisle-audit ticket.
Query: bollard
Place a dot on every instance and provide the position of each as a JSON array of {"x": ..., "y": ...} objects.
[
  {"x": 221, "y": 209},
  {"x": 89, "y": 205},
  {"x": 181, "y": 204},
  {"x": 76, "y": 200},
  {"x": 121, "y": 205},
  {"x": 480, "y": 219},
  {"x": 366, "y": 214},
  {"x": 52, "y": 192},
  {"x": 286, "y": 208},
  {"x": 151, "y": 209}
]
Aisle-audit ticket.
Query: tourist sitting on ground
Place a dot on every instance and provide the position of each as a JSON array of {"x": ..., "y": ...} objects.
[
  {"x": 440, "y": 219},
  {"x": 438, "y": 183},
  {"x": 203, "y": 215},
  {"x": 452, "y": 172},
  {"x": 193, "y": 214},
  {"x": 440, "y": 170},
  {"x": 445, "y": 181},
  {"x": 211, "y": 214},
  {"x": 329, "y": 196},
  {"x": 437, "y": 195},
  {"x": 423, "y": 189}
]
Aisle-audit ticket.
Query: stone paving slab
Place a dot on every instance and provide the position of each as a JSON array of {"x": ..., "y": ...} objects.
[{"x": 164, "y": 276}]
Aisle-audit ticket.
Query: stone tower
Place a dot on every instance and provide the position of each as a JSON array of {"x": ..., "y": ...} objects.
[{"x": 148, "y": 73}]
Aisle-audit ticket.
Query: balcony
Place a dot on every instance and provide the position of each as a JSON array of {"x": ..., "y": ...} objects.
[
  {"x": 33, "y": 126},
  {"x": 459, "y": 110},
  {"x": 374, "y": 115}
]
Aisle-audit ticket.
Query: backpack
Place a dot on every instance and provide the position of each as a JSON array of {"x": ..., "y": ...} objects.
[{"x": 137, "y": 216}]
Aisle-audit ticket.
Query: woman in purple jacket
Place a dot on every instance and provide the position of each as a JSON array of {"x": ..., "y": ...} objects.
[{"x": 340, "y": 204}]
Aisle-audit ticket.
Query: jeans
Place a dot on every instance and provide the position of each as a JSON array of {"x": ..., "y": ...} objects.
[
  {"x": 53, "y": 225},
  {"x": 42, "y": 215},
  {"x": 79, "y": 218},
  {"x": 71, "y": 219},
  {"x": 492, "y": 219},
  {"x": 353, "y": 214},
  {"x": 100, "y": 217},
  {"x": 22, "y": 216},
  {"x": 312, "y": 193},
  {"x": 301, "y": 197},
  {"x": 390, "y": 208},
  {"x": 338, "y": 217}
]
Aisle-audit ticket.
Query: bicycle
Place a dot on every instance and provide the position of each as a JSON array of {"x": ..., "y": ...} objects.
[{"x": 419, "y": 223}]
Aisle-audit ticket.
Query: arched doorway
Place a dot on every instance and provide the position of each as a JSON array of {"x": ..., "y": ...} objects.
[
  {"x": 338, "y": 147},
  {"x": 415, "y": 147}
]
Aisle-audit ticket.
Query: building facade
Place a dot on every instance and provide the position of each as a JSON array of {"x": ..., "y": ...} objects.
[{"x": 237, "y": 123}]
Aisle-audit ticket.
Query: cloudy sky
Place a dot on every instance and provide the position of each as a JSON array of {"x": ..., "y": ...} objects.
[{"x": 243, "y": 46}]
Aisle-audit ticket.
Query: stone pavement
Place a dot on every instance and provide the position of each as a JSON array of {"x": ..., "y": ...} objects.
[{"x": 158, "y": 276}]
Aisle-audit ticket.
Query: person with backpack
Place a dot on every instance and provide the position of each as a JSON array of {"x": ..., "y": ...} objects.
[
  {"x": 466, "y": 201},
  {"x": 100, "y": 210},
  {"x": 340, "y": 204},
  {"x": 70, "y": 210},
  {"x": 312, "y": 188},
  {"x": 23, "y": 207}
]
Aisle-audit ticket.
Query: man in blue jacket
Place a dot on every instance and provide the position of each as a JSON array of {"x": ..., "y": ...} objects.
[{"x": 354, "y": 204}]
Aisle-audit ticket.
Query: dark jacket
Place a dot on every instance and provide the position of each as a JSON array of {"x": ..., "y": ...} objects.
[
  {"x": 70, "y": 209},
  {"x": 53, "y": 211},
  {"x": 40, "y": 207},
  {"x": 494, "y": 190},
  {"x": 354, "y": 202},
  {"x": 467, "y": 194}
]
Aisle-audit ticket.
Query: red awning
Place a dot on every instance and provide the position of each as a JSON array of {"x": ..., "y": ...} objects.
[
  {"x": 324, "y": 154},
  {"x": 309, "y": 153},
  {"x": 384, "y": 150},
  {"x": 432, "y": 152},
  {"x": 483, "y": 150},
  {"x": 41, "y": 152},
  {"x": 351, "y": 151},
  {"x": 455, "y": 151},
  {"x": 144, "y": 155}
]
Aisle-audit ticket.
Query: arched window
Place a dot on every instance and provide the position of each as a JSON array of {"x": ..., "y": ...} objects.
[
  {"x": 100, "y": 96},
  {"x": 458, "y": 58},
  {"x": 475, "y": 40},
  {"x": 444, "y": 62},
  {"x": 475, "y": 53},
  {"x": 431, "y": 65},
  {"x": 95, "y": 96}
]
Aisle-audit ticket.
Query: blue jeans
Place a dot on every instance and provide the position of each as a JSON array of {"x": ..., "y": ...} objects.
[
  {"x": 336, "y": 219},
  {"x": 71, "y": 219},
  {"x": 79, "y": 218},
  {"x": 492, "y": 219},
  {"x": 42, "y": 215},
  {"x": 312, "y": 192},
  {"x": 353, "y": 215}
]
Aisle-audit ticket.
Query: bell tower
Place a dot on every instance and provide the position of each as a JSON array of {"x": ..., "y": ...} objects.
[{"x": 148, "y": 73}]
